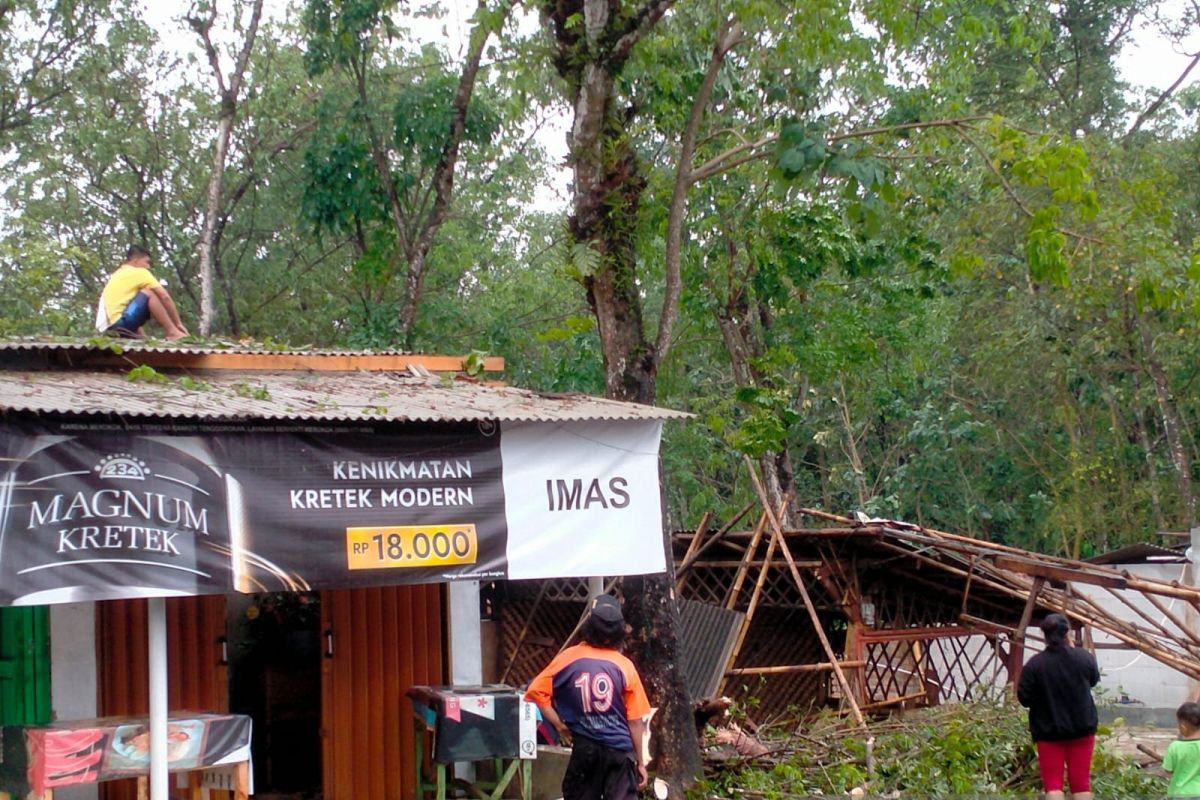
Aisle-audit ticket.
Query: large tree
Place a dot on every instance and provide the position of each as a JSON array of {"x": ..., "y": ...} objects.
[
  {"x": 383, "y": 167},
  {"x": 229, "y": 82}
]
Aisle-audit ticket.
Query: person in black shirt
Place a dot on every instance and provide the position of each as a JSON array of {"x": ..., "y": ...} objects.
[{"x": 1056, "y": 687}]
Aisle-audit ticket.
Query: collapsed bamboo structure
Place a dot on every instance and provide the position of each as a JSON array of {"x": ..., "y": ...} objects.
[
  {"x": 868, "y": 615},
  {"x": 917, "y": 616}
]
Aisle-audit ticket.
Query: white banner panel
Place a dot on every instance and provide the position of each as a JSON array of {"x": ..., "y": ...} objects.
[{"x": 582, "y": 498}]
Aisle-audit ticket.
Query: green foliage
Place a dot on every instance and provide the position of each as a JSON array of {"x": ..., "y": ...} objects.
[
  {"x": 979, "y": 749},
  {"x": 340, "y": 31},
  {"x": 942, "y": 285},
  {"x": 191, "y": 384},
  {"x": 473, "y": 363},
  {"x": 146, "y": 373}
]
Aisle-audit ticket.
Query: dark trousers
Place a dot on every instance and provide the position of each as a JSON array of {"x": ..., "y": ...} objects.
[{"x": 596, "y": 772}]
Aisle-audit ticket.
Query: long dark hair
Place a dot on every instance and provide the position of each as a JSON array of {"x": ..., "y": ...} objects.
[{"x": 1055, "y": 627}]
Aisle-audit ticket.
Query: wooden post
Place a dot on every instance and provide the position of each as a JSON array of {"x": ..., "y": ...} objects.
[
  {"x": 1016, "y": 655},
  {"x": 241, "y": 781},
  {"x": 856, "y": 653},
  {"x": 777, "y": 536}
]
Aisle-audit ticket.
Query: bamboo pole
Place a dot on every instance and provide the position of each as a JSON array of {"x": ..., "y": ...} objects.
[
  {"x": 744, "y": 565},
  {"x": 1162, "y": 629},
  {"x": 719, "y": 536},
  {"x": 1168, "y": 588},
  {"x": 1056, "y": 602},
  {"x": 821, "y": 666},
  {"x": 777, "y": 534},
  {"x": 1016, "y": 653},
  {"x": 758, "y": 562},
  {"x": 893, "y": 701},
  {"x": 1131, "y": 628},
  {"x": 1166, "y": 612},
  {"x": 967, "y": 588},
  {"x": 832, "y": 533},
  {"x": 701, "y": 530},
  {"x": 754, "y": 597},
  {"x": 986, "y": 624},
  {"x": 1074, "y": 608},
  {"x": 1107, "y": 623}
]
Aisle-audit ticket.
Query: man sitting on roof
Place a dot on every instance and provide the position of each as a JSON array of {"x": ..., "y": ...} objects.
[{"x": 132, "y": 296}]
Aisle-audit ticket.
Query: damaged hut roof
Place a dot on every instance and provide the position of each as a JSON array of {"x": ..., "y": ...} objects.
[{"x": 233, "y": 385}]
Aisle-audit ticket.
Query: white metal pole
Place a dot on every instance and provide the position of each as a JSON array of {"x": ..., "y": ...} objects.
[
  {"x": 157, "y": 623},
  {"x": 595, "y": 587}
]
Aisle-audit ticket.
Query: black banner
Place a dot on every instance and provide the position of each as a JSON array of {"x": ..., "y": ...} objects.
[{"x": 90, "y": 513}]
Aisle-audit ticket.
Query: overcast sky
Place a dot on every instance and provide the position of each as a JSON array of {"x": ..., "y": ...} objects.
[{"x": 1148, "y": 60}]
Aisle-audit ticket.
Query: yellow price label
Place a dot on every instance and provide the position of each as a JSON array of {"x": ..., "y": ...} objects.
[{"x": 398, "y": 546}]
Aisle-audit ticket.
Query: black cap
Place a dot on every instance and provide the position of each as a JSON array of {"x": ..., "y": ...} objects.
[{"x": 606, "y": 607}]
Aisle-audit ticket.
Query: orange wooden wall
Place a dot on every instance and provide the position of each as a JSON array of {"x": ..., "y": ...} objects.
[
  {"x": 384, "y": 641},
  {"x": 196, "y": 679}
]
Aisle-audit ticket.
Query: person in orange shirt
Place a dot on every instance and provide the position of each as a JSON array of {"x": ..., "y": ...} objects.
[
  {"x": 133, "y": 296},
  {"x": 593, "y": 697}
]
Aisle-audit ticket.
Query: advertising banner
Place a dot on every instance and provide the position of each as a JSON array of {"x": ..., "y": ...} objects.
[
  {"x": 37, "y": 759},
  {"x": 91, "y": 512}
]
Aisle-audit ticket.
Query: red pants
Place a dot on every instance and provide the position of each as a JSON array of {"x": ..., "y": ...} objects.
[{"x": 1075, "y": 755}]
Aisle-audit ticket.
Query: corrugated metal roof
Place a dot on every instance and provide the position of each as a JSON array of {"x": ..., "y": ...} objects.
[
  {"x": 1141, "y": 553},
  {"x": 708, "y": 634},
  {"x": 299, "y": 396}
]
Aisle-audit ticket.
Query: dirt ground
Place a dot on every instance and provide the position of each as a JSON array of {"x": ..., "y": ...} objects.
[{"x": 1126, "y": 738}]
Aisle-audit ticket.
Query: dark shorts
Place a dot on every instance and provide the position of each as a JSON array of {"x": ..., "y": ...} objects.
[
  {"x": 135, "y": 315},
  {"x": 596, "y": 772}
]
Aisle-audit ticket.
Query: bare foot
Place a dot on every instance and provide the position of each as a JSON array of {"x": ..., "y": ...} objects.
[{"x": 176, "y": 336}]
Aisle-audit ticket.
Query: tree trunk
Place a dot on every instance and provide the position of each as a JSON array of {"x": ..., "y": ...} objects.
[
  {"x": 1170, "y": 422},
  {"x": 228, "y": 92},
  {"x": 856, "y": 462},
  {"x": 606, "y": 197},
  {"x": 1160, "y": 521},
  {"x": 211, "y": 211}
]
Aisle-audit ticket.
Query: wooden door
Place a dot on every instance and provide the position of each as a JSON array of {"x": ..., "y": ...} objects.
[{"x": 379, "y": 642}]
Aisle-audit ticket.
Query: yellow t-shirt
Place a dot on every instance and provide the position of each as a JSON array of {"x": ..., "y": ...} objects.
[{"x": 122, "y": 286}]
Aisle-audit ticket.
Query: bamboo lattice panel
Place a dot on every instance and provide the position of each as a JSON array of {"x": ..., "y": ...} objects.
[
  {"x": 546, "y": 624},
  {"x": 932, "y": 670},
  {"x": 781, "y": 637}
]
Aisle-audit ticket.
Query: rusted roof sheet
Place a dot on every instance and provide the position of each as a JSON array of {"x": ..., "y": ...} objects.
[
  {"x": 300, "y": 397},
  {"x": 297, "y": 396},
  {"x": 91, "y": 346},
  {"x": 148, "y": 381}
]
